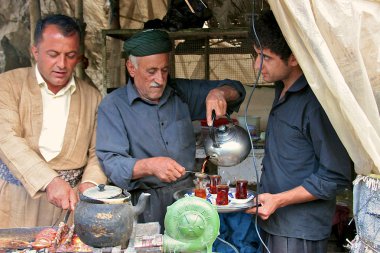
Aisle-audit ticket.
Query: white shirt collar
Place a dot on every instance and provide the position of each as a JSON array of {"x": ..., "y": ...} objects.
[{"x": 41, "y": 82}]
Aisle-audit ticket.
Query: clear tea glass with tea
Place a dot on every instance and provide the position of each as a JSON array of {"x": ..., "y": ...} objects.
[
  {"x": 222, "y": 194},
  {"x": 241, "y": 189},
  {"x": 214, "y": 181},
  {"x": 200, "y": 188},
  {"x": 200, "y": 193}
]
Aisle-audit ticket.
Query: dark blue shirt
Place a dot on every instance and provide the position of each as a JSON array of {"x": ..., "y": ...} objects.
[
  {"x": 130, "y": 128},
  {"x": 302, "y": 148}
]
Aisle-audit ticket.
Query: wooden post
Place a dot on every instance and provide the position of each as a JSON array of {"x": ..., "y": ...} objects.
[
  {"x": 114, "y": 16},
  {"x": 114, "y": 68},
  {"x": 35, "y": 15},
  {"x": 79, "y": 16},
  {"x": 207, "y": 58}
]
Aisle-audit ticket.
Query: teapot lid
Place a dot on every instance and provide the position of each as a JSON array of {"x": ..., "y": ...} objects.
[{"x": 102, "y": 192}]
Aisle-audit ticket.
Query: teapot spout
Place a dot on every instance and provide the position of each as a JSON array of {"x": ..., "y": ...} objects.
[
  {"x": 141, "y": 203},
  {"x": 214, "y": 158}
]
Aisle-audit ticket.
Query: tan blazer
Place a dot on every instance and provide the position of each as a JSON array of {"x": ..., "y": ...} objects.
[{"x": 20, "y": 128}]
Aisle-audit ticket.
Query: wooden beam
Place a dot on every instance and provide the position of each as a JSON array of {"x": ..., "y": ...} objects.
[
  {"x": 35, "y": 15},
  {"x": 80, "y": 72}
]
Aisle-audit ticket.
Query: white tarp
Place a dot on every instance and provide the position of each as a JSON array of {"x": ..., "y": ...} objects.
[{"x": 337, "y": 43}]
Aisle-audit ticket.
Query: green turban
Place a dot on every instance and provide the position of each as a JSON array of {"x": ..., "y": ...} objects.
[{"x": 148, "y": 42}]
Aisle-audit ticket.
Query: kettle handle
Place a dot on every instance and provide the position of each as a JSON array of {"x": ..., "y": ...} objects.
[
  {"x": 213, "y": 116},
  {"x": 212, "y": 129}
]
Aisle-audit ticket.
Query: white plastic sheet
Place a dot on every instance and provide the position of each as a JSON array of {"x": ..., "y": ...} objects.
[{"x": 337, "y": 43}]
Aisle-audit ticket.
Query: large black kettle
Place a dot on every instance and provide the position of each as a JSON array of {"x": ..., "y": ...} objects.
[{"x": 104, "y": 216}]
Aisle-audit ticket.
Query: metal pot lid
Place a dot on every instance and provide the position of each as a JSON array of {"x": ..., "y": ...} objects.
[{"x": 103, "y": 192}]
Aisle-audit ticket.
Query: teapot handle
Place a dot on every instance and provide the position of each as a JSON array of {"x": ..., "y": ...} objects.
[
  {"x": 213, "y": 116},
  {"x": 212, "y": 129}
]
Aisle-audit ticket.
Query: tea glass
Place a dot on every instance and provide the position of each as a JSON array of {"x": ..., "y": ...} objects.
[
  {"x": 222, "y": 194},
  {"x": 214, "y": 181},
  {"x": 200, "y": 189},
  {"x": 241, "y": 189},
  {"x": 200, "y": 193}
]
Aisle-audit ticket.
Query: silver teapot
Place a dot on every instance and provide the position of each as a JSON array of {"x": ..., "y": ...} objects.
[{"x": 227, "y": 145}]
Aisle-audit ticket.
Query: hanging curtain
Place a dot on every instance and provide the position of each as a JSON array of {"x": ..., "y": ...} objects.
[{"x": 337, "y": 44}]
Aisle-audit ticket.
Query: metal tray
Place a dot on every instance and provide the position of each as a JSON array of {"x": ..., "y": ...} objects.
[{"x": 230, "y": 208}]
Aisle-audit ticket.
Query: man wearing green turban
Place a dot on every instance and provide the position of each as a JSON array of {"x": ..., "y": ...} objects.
[{"x": 145, "y": 138}]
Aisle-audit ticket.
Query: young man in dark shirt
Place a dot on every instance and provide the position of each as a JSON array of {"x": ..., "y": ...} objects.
[{"x": 305, "y": 163}]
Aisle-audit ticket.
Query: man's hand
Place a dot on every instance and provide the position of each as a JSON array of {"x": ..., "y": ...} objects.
[
  {"x": 217, "y": 99},
  {"x": 164, "y": 168},
  {"x": 60, "y": 194},
  {"x": 268, "y": 204}
]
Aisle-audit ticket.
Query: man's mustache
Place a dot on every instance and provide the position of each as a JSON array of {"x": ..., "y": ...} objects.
[{"x": 154, "y": 84}]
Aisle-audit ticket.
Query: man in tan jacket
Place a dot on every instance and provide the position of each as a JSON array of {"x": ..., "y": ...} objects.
[{"x": 47, "y": 130}]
